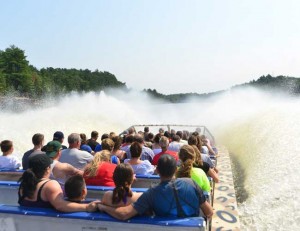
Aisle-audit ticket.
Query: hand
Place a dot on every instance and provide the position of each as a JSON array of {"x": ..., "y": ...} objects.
[{"x": 92, "y": 207}]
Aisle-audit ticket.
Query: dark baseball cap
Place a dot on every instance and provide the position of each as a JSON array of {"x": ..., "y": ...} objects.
[{"x": 58, "y": 135}]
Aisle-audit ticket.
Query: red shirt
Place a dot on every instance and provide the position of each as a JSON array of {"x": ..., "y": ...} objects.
[
  {"x": 171, "y": 153},
  {"x": 104, "y": 175}
]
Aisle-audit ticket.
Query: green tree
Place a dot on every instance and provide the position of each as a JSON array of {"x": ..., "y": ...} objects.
[{"x": 16, "y": 70}]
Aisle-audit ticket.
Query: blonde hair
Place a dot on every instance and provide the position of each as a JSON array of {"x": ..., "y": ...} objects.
[
  {"x": 99, "y": 157},
  {"x": 187, "y": 157}
]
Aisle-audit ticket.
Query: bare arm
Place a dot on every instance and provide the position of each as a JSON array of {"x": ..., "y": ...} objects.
[
  {"x": 207, "y": 210},
  {"x": 53, "y": 193},
  {"x": 121, "y": 213},
  {"x": 213, "y": 174}
]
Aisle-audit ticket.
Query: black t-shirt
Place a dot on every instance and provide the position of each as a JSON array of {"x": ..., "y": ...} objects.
[
  {"x": 92, "y": 144},
  {"x": 205, "y": 167}
]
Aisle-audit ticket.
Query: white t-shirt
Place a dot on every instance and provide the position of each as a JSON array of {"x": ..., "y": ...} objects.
[{"x": 10, "y": 161}]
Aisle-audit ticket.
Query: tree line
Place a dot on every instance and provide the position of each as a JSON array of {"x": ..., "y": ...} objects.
[{"x": 17, "y": 76}]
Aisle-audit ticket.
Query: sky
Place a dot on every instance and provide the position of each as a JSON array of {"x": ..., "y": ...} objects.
[{"x": 169, "y": 45}]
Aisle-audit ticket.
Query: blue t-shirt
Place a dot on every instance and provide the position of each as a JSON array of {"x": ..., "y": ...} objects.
[{"x": 161, "y": 199}]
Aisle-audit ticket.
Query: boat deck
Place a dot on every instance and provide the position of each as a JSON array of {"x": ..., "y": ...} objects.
[{"x": 225, "y": 206}]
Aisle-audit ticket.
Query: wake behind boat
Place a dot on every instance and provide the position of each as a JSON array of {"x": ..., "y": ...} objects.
[{"x": 222, "y": 198}]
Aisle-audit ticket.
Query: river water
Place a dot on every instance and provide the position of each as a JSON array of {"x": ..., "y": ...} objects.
[{"x": 260, "y": 131}]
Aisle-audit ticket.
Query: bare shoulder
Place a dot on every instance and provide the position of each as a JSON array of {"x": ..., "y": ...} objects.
[{"x": 107, "y": 198}]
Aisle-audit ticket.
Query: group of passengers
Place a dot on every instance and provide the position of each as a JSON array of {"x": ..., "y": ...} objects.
[{"x": 56, "y": 176}]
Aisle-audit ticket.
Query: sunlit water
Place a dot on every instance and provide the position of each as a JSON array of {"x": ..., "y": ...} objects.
[{"x": 261, "y": 133}]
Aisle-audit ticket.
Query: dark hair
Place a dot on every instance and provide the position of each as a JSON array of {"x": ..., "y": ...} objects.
[
  {"x": 129, "y": 139},
  {"x": 6, "y": 145},
  {"x": 74, "y": 186},
  {"x": 139, "y": 139},
  {"x": 167, "y": 134},
  {"x": 118, "y": 142},
  {"x": 37, "y": 138},
  {"x": 192, "y": 140},
  {"x": 149, "y": 137},
  {"x": 166, "y": 165},
  {"x": 157, "y": 138},
  {"x": 94, "y": 134},
  {"x": 123, "y": 178},
  {"x": 104, "y": 136},
  {"x": 83, "y": 138},
  {"x": 31, "y": 177},
  {"x": 179, "y": 133},
  {"x": 176, "y": 138},
  {"x": 146, "y": 129},
  {"x": 135, "y": 150}
]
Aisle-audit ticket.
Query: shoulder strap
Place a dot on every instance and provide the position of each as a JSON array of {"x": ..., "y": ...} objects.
[
  {"x": 40, "y": 191},
  {"x": 180, "y": 212}
]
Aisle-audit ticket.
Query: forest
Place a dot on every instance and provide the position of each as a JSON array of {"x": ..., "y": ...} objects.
[{"x": 19, "y": 78}]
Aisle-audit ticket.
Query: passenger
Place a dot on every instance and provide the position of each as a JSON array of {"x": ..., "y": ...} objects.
[
  {"x": 168, "y": 135},
  {"x": 171, "y": 198},
  {"x": 206, "y": 145},
  {"x": 98, "y": 147},
  {"x": 108, "y": 144},
  {"x": 187, "y": 156},
  {"x": 175, "y": 145},
  {"x": 161, "y": 131},
  {"x": 112, "y": 134},
  {"x": 149, "y": 140},
  {"x": 140, "y": 167},
  {"x": 75, "y": 189},
  {"x": 59, "y": 136},
  {"x": 128, "y": 141},
  {"x": 73, "y": 156},
  {"x": 100, "y": 170},
  {"x": 122, "y": 195},
  {"x": 117, "y": 151},
  {"x": 59, "y": 171},
  {"x": 7, "y": 160},
  {"x": 131, "y": 131},
  {"x": 38, "y": 143},
  {"x": 92, "y": 142},
  {"x": 195, "y": 140},
  {"x": 180, "y": 134},
  {"x": 199, "y": 163},
  {"x": 164, "y": 144},
  {"x": 185, "y": 135},
  {"x": 84, "y": 146},
  {"x": 37, "y": 190},
  {"x": 155, "y": 146},
  {"x": 147, "y": 153},
  {"x": 146, "y": 133}
]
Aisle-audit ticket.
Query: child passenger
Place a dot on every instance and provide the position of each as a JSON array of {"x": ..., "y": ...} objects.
[
  {"x": 75, "y": 189},
  {"x": 122, "y": 194},
  {"x": 7, "y": 160}
]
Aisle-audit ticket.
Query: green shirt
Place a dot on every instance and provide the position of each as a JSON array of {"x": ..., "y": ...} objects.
[{"x": 199, "y": 176}]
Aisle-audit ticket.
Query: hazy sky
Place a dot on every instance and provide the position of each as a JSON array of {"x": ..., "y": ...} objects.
[{"x": 172, "y": 46}]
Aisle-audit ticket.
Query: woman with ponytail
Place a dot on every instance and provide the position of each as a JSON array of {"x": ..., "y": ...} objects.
[
  {"x": 122, "y": 195},
  {"x": 199, "y": 163},
  {"x": 37, "y": 190},
  {"x": 187, "y": 156}
]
